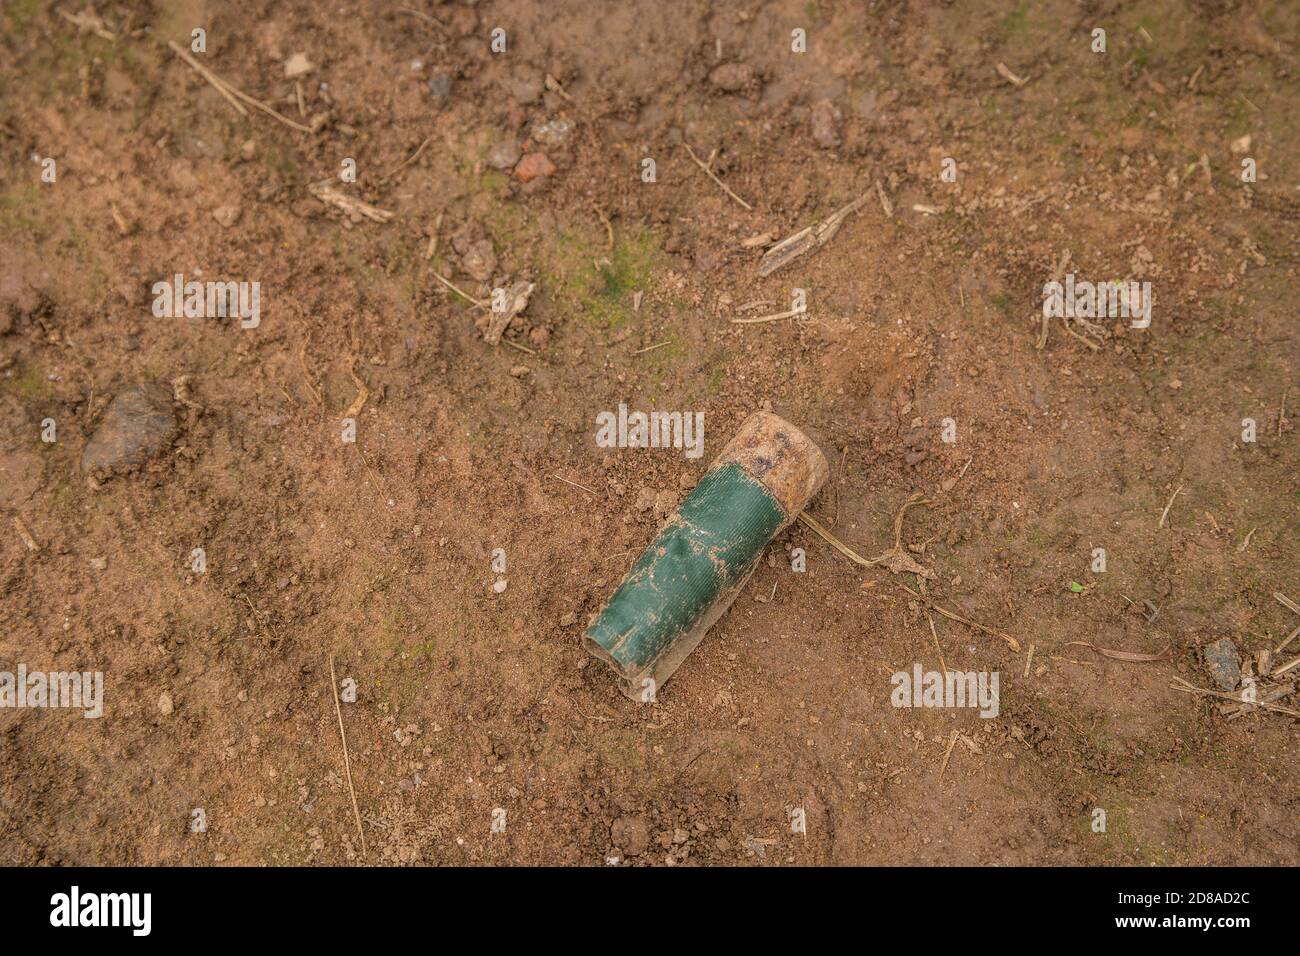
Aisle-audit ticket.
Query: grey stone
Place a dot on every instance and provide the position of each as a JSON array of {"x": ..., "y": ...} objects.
[
  {"x": 1224, "y": 663},
  {"x": 440, "y": 85},
  {"x": 503, "y": 155}
]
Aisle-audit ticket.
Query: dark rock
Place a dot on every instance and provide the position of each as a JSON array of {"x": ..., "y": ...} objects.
[
  {"x": 1224, "y": 663},
  {"x": 137, "y": 426}
]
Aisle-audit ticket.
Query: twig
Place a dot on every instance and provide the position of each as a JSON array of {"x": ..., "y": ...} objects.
[
  {"x": 1286, "y": 602},
  {"x": 1006, "y": 74},
  {"x": 775, "y": 316},
  {"x": 363, "y": 393},
  {"x": 212, "y": 78},
  {"x": 226, "y": 87},
  {"x": 410, "y": 159},
  {"x": 1279, "y": 671},
  {"x": 937, "y": 646},
  {"x": 326, "y": 192},
  {"x": 25, "y": 534},
  {"x": 347, "y": 762},
  {"x": 708, "y": 172},
  {"x": 895, "y": 559},
  {"x": 576, "y": 485},
  {"x": 1056, "y": 277},
  {"x": 1164, "y": 514},
  {"x": 609, "y": 228},
  {"x": 651, "y": 348},
  {"x": 808, "y": 238},
  {"x": 90, "y": 22},
  {"x": 885, "y": 204},
  {"x": 952, "y": 742},
  {"x": 1011, "y": 641},
  {"x": 311, "y": 383},
  {"x": 1188, "y": 688},
  {"x": 467, "y": 298},
  {"x": 518, "y": 294},
  {"x": 419, "y": 15},
  {"x": 433, "y": 239}
]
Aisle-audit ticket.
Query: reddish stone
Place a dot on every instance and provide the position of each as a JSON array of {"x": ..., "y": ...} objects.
[{"x": 534, "y": 165}]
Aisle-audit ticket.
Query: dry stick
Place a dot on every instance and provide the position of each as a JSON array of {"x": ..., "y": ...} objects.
[
  {"x": 410, "y": 159},
  {"x": 329, "y": 194},
  {"x": 947, "y": 753},
  {"x": 885, "y": 204},
  {"x": 839, "y": 480},
  {"x": 1005, "y": 72},
  {"x": 651, "y": 348},
  {"x": 808, "y": 238},
  {"x": 421, "y": 16},
  {"x": 1164, "y": 514},
  {"x": 1279, "y": 671},
  {"x": 937, "y": 646},
  {"x": 576, "y": 485},
  {"x": 609, "y": 228},
  {"x": 467, "y": 298},
  {"x": 363, "y": 393},
  {"x": 370, "y": 472},
  {"x": 25, "y": 534},
  {"x": 89, "y": 21},
  {"x": 347, "y": 762},
  {"x": 311, "y": 384},
  {"x": 835, "y": 542},
  {"x": 210, "y": 77},
  {"x": 433, "y": 239},
  {"x": 226, "y": 87},
  {"x": 775, "y": 316},
  {"x": 1189, "y": 688},
  {"x": 708, "y": 172},
  {"x": 1056, "y": 277},
  {"x": 1286, "y": 602},
  {"x": 1011, "y": 641},
  {"x": 895, "y": 559},
  {"x": 1290, "y": 637}
]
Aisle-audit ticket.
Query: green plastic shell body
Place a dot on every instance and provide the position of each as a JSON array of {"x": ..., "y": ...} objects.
[{"x": 694, "y": 566}]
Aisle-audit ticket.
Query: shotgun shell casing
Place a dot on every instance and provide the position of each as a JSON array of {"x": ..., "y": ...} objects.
[{"x": 705, "y": 552}]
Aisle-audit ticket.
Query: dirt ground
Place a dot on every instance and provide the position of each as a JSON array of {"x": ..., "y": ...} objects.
[{"x": 527, "y": 165}]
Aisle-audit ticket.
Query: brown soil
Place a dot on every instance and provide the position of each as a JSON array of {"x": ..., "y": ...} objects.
[{"x": 379, "y": 553}]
